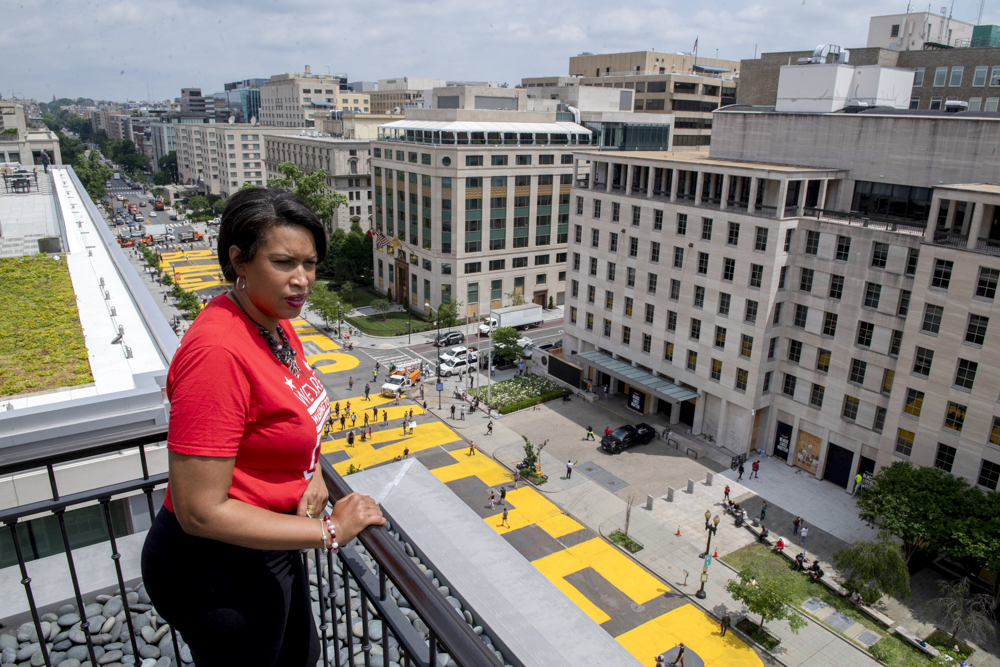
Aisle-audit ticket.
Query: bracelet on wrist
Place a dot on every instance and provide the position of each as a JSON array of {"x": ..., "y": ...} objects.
[{"x": 328, "y": 522}]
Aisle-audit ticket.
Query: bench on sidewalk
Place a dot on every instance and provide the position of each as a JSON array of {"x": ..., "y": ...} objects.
[
  {"x": 913, "y": 639},
  {"x": 876, "y": 615},
  {"x": 834, "y": 586}
]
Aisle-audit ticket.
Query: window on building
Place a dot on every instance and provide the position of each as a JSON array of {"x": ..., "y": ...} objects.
[
  {"x": 706, "y": 229},
  {"x": 651, "y": 281},
  {"x": 728, "y": 269},
  {"x": 633, "y": 246},
  {"x": 873, "y": 293},
  {"x": 760, "y": 239},
  {"x": 879, "y": 423},
  {"x": 941, "y": 277},
  {"x": 668, "y": 351},
  {"x": 965, "y": 376},
  {"x": 741, "y": 379},
  {"x": 699, "y": 296},
  {"x": 880, "y": 255},
  {"x": 932, "y": 319},
  {"x": 716, "y": 373},
  {"x": 794, "y": 351},
  {"x": 843, "y": 248},
  {"x": 858, "y": 369},
  {"x": 751, "y": 312},
  {"x": 989, "y": 475},
  {"x": 850, "y": 411},
  {"x": 816, "y": 395},
  {"x": 766, "y": 386},
  {"x": 609, "y": 300},
  {"x": 628, "y": 306},
  {"x": 788, "y": 389},
  {"x": 922, "y": 361},
  {"x": 771, "y": 347},
  {"x": 692, "y": 360},
  {"x": 654, "y": 252},
  {"x": 823, "y": 360},
  {"x": 611, "y": 272},
  {"x": 995, "y": 432},
  {"x": 904, "y": 442},
  {"x": 615, "y": 211},
  {"x": 678, "y": 258},
  {"x": 935, "y": 104},
  {"x": 975, "y": 330},
  {"x": 801, "y": 315},
  {"x": 720, "y": 337},
  {"x": 597, "y": 208},
  {"x": 806, "y": 280},
  {"x": 955, "y": 416},
  {"x": 812, "y": 242},
  {"x": 904, "y": 303},
  {"x": 865, "y": 332},
  {"x": 986, "y": 286},
  {"x": 675, "y": 290},
  {"x": 702, "y": 263},
  {"x": 734, "y": 234},
  {"x": 788, "y": 240},
  {"x": 724, "y": 302},
  {"x": 682, "y": 222},
  {"x": 650, "y": 311},
  {"x": 746, "y": 346},
  {"x": 896, "y": 343},
  {"x": 695, "y": 329},
  {"x": 836, "y": 287},
  {"x": 756, "y": 275},
  {"x": 940, "y": 76},
  {"x": 956, "y": 76}
]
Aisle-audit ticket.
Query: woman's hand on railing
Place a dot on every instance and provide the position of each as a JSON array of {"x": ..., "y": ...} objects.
[
  {"x": 314, "y": 498},
  {"x": 353, "y": 513}
]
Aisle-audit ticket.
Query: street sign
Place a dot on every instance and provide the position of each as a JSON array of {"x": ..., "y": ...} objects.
[
  {"x": 704, "y": 577},
  {"x": 708, "y": 560},
  {"x": 440, "y": 386}
]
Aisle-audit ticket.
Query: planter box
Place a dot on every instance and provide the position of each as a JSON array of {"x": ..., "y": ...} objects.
[{"x": 749, "y": 628}]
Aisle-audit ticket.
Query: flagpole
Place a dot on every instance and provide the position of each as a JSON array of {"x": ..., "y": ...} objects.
[{"x": 696, "y": 52}]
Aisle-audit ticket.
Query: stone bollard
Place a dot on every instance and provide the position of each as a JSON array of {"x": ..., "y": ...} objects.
[
  {"x": 649, "y": 502},
  {"x": 670, "y": 494},
  {"x": 708, "y": 478},
  {"x": 690, "y": 486}
]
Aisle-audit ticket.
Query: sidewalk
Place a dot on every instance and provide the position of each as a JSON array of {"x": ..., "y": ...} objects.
[{"x": 665, "y": 554}]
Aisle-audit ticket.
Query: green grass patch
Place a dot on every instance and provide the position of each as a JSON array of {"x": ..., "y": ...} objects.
[
  {"x": 763, "y": 558},
  {"x": 518, "y": 393},
  {"x": 359, "y": 297},
  {"x": 896, "y": 652},
  {"x": 41, "y": 340},
  {"x": 625, "y": 542},
  {"x": 388, "y": 324}
]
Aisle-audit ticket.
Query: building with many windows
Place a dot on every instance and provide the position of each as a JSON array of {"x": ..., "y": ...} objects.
[
  {"x": 347, "y": 166},
  {"x": 476, "y": 204},
  {"x": 740, "y": 293},
  {"x": 290, "y": 100}
]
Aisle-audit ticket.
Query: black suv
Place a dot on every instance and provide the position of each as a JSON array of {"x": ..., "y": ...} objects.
[
  {"x": 626, "y": 436},
  {"x": 451, "y": 338}
]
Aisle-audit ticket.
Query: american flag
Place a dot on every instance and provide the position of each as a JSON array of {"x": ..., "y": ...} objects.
[
  {"x": 380, "y": 240},
  {"x": 695, "y": 49}
]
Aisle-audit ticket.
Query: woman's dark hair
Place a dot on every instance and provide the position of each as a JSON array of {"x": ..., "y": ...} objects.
[{"x": 252, "y": 213}]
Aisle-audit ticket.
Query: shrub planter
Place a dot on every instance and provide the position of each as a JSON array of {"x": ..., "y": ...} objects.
[
  {"x": 625, "y": 542},
  {"x": 751, "y": 629}
]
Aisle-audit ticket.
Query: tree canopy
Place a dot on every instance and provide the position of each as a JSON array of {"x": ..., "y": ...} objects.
[
  {"x": 348, "y": 257},
  {"x": 874, "y": 569},
  {"x": 92, "y": 174},
  {"x": 312, "y": 188},
  {"x": 505, "y": 344},
  {"x": 168, "y": 165},
  {"x": 324, "y": 302},
  {"x": 765, "y": 596}
]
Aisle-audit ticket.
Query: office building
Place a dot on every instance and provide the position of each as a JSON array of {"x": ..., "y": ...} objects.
[
  {"x": 244, "y": 99},
  {"x": 916, "y": 31},
  {"x": 690, "y": 88},
  {"x": 818, "y": 286},
  {"x": 290, "y": 100},
  {"x": 476, "y": 202},
  {"x": 20, "y": 144},
  {"x": 192, "y": 101},
  {"x": 347, "y": 166}
]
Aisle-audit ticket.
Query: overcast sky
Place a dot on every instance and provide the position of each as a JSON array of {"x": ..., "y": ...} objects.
[{"x": 119, "y": 49}]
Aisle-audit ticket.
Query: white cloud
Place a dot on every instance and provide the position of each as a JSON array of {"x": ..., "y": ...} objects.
[{"x": 114, "y": 49}]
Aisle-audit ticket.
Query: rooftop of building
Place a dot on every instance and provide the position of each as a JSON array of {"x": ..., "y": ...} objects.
[
  {"x": 980, "y": 188},
  {"x": 873, "y": 111},
  {"x": 126, "y": 338},
  {"x": 696, "y": 158}
]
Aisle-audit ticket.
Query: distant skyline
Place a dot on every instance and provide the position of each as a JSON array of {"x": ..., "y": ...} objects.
[{"x": 120, "y": 49}]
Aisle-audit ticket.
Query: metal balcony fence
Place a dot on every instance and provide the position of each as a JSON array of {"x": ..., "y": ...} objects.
[{"x": 386, "y": 578}]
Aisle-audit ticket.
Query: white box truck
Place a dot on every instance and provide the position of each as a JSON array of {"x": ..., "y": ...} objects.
[{"x": 518, "y": 317}]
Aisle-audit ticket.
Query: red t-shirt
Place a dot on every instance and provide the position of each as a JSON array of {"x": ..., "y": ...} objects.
[{"x": 231, "y": 397}]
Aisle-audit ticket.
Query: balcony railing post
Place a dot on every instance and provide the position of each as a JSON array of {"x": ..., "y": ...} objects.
[
  {"x": 145, "y": 475},
  {"x": 85, "y": 626},
  {"x": 366, "y": 643},
  {"x": 322, "y": 605},
  {"x": 332, "y": 604},
  {"x": 26, "y": 582},
  {"x": 347, "y": 610},
  {"x": 116, "y": 557}
]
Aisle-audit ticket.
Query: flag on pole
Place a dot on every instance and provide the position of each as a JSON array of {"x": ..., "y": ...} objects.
[{"x": 695, "y": 49}]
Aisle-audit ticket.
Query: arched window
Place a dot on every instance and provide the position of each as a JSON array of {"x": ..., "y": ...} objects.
[{"x": 354, "y": 166}]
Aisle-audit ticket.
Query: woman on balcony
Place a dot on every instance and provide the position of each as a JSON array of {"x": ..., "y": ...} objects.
[{"x": 246, "y": 492}]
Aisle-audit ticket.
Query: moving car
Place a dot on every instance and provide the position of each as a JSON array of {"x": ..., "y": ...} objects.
[
  {"x": 152, "y": 214},
  {"x": 457, "y": 352},
  {"x": 453, "y": 366},
  {"x": 449, "y": 338},
  {"x": 625, "y": 436},
  {"x": 400, "y": 380}
]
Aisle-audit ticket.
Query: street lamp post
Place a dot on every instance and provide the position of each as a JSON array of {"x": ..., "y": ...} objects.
[
  {"x": 437, "y": 317},
  {"x": 711, "y": 527}
]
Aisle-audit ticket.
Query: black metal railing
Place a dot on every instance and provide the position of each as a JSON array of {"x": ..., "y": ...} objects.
[
  {"x": 884, "y": 224},
  {"x": 402, "y": 641}
]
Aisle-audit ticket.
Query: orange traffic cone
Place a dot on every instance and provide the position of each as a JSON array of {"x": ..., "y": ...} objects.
[
  {"x": 716, "y": 554},
  {"x": 678, "y": 530}
]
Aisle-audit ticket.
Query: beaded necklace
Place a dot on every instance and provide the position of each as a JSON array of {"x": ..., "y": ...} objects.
[{"x": 282, "y": 351}]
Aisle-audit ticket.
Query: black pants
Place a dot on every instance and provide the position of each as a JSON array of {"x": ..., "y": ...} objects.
[{"x": 232, "y": 605}]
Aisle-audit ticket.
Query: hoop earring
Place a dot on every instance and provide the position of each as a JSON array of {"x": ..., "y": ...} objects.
[{"x": 238, "y": 279}]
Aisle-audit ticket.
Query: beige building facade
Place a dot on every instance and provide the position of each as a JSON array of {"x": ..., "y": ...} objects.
[
  {"x": 346, "y": 162},
  {"x": 476, "y": 204},
  {"x": 20, "y": 144},
  {"x": 291, "y": 100},
  {"x": 741, "y": 300}
]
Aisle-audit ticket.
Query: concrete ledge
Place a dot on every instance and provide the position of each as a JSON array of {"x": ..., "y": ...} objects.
[
  {"x": 913, "y": 639},
  {"x": 876, "y": 615},
  {"x": 834, "y": 586},
  {"x": 523, "y": 610}
]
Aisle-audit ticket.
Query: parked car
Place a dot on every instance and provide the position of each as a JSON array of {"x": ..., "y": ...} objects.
[
  {"x": 627, "y": 435},
  {"x": 485, "y": 361},
  {"x": 449, "y": 338},
  {"x": 173, "y": 217},
  {"x": 453, "y": 366},
  {"x": 457, "y": 352}
]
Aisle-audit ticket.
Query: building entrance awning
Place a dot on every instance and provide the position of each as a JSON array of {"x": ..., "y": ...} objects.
[
  {"x": 702, "y": 68},
  {"x": 638, "y": 377}
]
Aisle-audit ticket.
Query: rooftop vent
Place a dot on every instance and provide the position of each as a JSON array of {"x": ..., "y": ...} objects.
[{"x": 840, "y": 56}]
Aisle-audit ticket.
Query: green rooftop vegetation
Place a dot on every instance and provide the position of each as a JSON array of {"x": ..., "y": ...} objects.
[{"x": 41, "y": 340}]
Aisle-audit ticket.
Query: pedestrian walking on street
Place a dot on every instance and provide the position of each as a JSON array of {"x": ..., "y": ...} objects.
[
  {"x": 397, "y": 396},
  {"x": 350, "y": 439},
  {"x": 404, "y": 425},
  {"x": 754, "y": 470},
  {"x": 607, "y": 431},
  {"x": 366, "y": 419},
  {"x": 406, "y": 452},
  {"x": 590, "y": 432},
  {"x": 374, "y": 413},
  {"x": 452, "y": 410},
  {"x": 369, "y": 432},
  {"x": 606, "y": 391},
  {"x": 680, "y": 655},
  {"x": 503, "y": 495},
  {"x": 413, "y": 426},
  {"x": 368, "y": 391},
  {"x": 802, "y": 534},
  {"x": 725, "y": 623},
  {"x": 378, "y": 366},
  {"x": 503, "y": 521},
  {"x": 336, "y": 408},
  {"x": 493, "y": 499},
  {"x": 164, "y": 297},
  {"x": 725, "y": 494},
  {"x": 517, "y": 477},
  {"x": 411, "y": 414},
  {"x": 569, "y": 469},
  {"x": 857, "y": 483},
  {"x": 489, "y": 428},
  {"x": 421, "y": 391},
  {"x": 463, "y": 413},
  {"x": 374, "y": 375},
  {"x": 350, "y": 383},
  {"x": 741, "y": 473},
  {"x": 343, "y": 421},
  {"x": 354, "y": 417},
  {"x": 763, "y": 511},
  {"x": 385, "y": 418},
  {"x": 796, "y": 525},
  {"x": 472, "y": 448}
]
